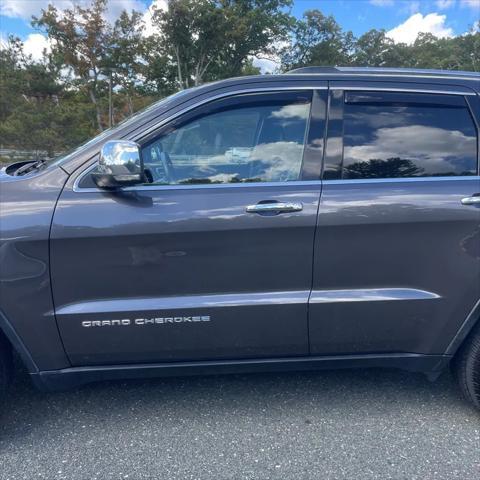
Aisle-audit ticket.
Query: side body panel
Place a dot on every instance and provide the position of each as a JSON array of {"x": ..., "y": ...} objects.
[
  {"x": 397, "y": 261},
  {"x": 403, "y": 261},
  {"x": 181, "y": 273},
  {"x": 177, "y": 254}
]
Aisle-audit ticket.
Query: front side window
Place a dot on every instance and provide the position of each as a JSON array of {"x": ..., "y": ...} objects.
[
  {"x": 388, "y": 135},
  {"x": 250, "y": 138}
]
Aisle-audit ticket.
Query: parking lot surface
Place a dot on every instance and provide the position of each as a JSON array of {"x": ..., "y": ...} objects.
[{"x": 347, "y": 424}]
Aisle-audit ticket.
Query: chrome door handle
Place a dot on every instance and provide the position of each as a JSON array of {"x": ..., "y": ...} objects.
[
  {"x": 471, "y": 200},
  {"x": 275, "y": 207}
]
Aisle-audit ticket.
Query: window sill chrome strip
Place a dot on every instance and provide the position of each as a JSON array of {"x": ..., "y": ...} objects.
[
  {"x": 297, "y": 183},
  {"x": 355, "y": 181}
]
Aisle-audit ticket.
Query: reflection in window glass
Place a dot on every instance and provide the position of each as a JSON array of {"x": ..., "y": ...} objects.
[
  {"x": 246, "y": 143},
  {"x": 409, "y": 140}
]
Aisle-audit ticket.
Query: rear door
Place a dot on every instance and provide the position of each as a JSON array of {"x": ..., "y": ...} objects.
[
  {"x": 212, "y": 259},
  {"x": 397, "y": 250}
]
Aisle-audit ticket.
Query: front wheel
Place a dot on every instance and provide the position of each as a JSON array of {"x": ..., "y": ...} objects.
[{"x": 466, "y": 367}]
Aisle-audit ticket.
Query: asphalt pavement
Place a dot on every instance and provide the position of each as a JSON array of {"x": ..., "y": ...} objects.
[{"x": 346, "y": 424}]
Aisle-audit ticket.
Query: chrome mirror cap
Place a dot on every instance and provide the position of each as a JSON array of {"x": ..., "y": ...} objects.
[{"x": 120, "y": 165}]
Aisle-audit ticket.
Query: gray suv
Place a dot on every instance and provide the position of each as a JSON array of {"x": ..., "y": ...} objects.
[{"x": 322, "y": 218}]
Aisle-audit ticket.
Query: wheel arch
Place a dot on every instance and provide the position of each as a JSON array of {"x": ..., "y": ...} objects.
[
  {"x": 468, "y": 325},
  {"x": 16, "y": 343}
]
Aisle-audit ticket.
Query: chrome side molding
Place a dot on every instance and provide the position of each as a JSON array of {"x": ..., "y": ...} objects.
[{"x": 475, "y": 200}]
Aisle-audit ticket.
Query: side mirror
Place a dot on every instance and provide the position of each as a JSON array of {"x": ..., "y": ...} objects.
[{"x": 120, "y": 165}]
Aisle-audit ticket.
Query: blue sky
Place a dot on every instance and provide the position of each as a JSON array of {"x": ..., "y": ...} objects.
[
  {"x": 362, "y": 15},
  {"x": 403, "y": 19}
]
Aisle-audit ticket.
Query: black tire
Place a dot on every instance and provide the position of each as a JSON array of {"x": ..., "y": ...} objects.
[
  {"x": 466, "y": 367},
  {"x": 5, "y": 365}
]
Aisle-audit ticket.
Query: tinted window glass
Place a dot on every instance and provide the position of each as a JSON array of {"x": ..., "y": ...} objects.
[
  {"x": 387, "y": 137},
  {"x": 250, "y": 141}
]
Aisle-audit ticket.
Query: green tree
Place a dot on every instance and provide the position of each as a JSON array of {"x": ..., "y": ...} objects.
[
  {"x": 190, "y": 31},
  {"x": 125, "y": 58},
  {"x": 12, "y": 77},
  {"x": 81, "y": 42},
  {"x": 375, "y": 49},
  {"x": 36, "y": 112},
  {"x": 318, "y": 40},
  {"x": 252, "y": 28},
  {"x": 467, "y": 50},
  {"x": 459, "y": 53},
  {"x": 202, "y": 40}
]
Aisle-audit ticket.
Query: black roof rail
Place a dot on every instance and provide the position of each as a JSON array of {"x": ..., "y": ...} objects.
[
  {"x": 383, "y": 70},
  {"x": 315, "y": 70}
]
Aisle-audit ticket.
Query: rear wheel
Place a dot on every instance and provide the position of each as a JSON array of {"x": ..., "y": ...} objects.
[
  {"x": 5, "y": 364},
  {"x": 466, "y": 367}
]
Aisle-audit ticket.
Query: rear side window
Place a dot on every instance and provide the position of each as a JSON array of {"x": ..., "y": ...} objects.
[{"x": 390, "y": 135}]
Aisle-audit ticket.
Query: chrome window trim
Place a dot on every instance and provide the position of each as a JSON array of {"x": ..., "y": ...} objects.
[{"x": 185, "y": 110}]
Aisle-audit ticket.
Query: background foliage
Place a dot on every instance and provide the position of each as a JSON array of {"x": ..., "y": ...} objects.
[{"x": 96, "y": 73}]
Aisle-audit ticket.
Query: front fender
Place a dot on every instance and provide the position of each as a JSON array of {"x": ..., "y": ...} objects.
[{"x": 27, "y": 204}]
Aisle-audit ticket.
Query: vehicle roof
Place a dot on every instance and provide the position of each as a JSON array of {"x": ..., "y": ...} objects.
[
  {"x": 379, "y": 71},
  {"x": 402, "y": 75}
]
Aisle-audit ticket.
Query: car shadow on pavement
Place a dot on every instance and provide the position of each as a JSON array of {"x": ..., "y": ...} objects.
[
  {"x": 373, "y": 391},
  {"x": 230, "y": 427}
]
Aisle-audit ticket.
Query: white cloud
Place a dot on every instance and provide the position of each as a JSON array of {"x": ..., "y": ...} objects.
[
  {"x": 265, "y": 65},
  {"x": 270, "y": 62},
  {"x": 475, "y": 4},
  {"x": 434, "y": 146},
  {"x": 289, "y": 112},
  {"x": 116, "y": 7},
  {"x": 444, "y": 4},
  {"x": 382, "y": 3},
  {"x": 26, "y": 8},
  {"x": 3, "y": 40},
  {"x": 412, "y": 7},
  {"x": 150, "y": 29},
  {"x": 35, "y": 44},
  {"x": 433, "y": 23}
]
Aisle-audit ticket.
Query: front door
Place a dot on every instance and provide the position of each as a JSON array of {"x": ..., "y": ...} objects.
[
  {"x": 212, "y": 258},
  {"x": 397, "y": 250}
]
